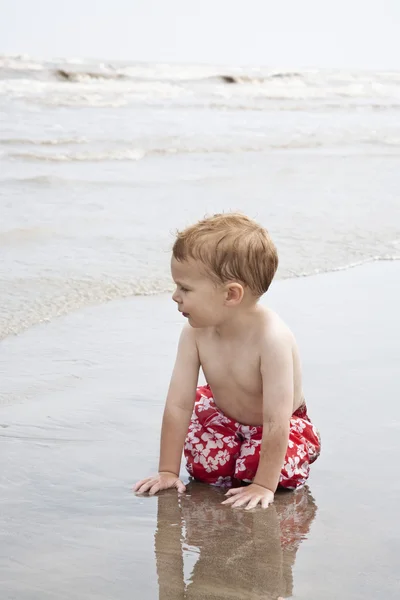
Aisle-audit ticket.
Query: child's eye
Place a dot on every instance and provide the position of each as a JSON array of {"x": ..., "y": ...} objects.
[{"x": 183, "y": 289}]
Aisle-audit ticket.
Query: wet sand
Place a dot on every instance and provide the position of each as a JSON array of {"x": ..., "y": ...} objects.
[{"x": 82, "y": 400}]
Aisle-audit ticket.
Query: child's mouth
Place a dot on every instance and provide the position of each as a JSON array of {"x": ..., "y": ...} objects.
[{"x": 185, "y": 314}]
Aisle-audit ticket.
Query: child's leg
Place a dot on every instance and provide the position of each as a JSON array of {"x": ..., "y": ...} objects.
[
  {"x": 303, "y": 449},
  {"x": 249, "y": 455},
  {"x": 212, "y": 445}
]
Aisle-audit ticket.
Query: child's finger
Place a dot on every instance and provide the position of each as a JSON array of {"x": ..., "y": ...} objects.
[
  {"x": 241, "y": 501},
  {"x": 230, "y": 500},
  {"x": 140, "y": 483},
  {"x": 154, "y": 488},
  {"x": 253, "y": 503},
  {"x": 266, "y": 502},
  {"x": 180, "y": 486},
  {"x": 146, "y": 486},
  {"x": 233, "y": 491}
]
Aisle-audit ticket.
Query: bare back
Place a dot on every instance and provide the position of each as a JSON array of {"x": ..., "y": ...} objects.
[{"x": 232, "y": 366}]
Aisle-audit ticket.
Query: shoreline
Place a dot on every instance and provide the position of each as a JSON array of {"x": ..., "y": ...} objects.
[{"x": 9, "y": 332}]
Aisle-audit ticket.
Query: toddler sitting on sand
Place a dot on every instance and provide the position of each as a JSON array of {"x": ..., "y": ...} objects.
[{"x": 249, "y": 424}]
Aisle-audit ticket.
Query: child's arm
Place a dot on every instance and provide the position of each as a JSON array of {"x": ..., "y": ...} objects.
[
  {"x": 277, "y": 378},
  {"x": 177, "y": 413}
]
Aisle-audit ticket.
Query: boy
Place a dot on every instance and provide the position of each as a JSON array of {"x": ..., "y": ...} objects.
[{"x": 249, "y": 424}]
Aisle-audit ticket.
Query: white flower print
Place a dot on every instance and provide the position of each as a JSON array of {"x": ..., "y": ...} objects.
[
  {"x": 195, "y": 426},
  {"x": 301, "y": 453},
  {"x": 199, "y": 452},
  {"x": 249, "y": 448},
  {"x": 220, "y": 459},
  {"x": 213, "y": 439},
  {"x": 302, "y": 475},
  {"x": 209, "y": 465},
  {"x": 292, "y": 465},
  {"x": 230, "y": 441},
  {"x": 188, "y": 446},
  {"x": 298, "y": 425},
  {"x": 205, "y": 403},
  {"x": 205, "y": 462},
  {"x": 223, "y": 456},
  {"x": 191, "y": 437},
  {"x": 240, "y": 466}
]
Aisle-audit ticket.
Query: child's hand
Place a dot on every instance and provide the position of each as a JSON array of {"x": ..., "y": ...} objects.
[
  {"x": 162, "y": 481},
  {"x": 251, "y": 495}
]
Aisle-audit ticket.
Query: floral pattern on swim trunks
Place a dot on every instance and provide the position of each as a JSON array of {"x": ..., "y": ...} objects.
[{"x": 218, "y": 449}]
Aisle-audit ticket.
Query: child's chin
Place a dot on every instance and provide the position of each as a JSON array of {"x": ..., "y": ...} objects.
[{"x": 193, "y": 323}]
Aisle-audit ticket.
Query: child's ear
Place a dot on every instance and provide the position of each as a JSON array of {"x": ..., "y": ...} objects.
[{"x": 234, "y": 294}]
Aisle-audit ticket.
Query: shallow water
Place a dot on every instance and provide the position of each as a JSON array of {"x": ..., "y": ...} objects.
[{"x": 85, "y": 396}]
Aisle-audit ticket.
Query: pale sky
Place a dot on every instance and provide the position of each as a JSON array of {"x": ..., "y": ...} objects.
[{"x": 289, "y": 33}]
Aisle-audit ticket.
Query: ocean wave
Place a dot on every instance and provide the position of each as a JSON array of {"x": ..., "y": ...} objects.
[
  {"x": 76, "y": 70},
  {"x": 112, "y": 155},
  {"x": 91, "y": 84},
  {"x": 45, "y": 299},
  {"x": 139, "y": 153},
  {"x": 94, "y": 100},
  {"x": 46, "y": 142},
  {"x": 231, "y": 79},
  {"x": 97, "y": 93},
  {"x": 81, "y": 76},
  {"x": 178, "y": 97}
]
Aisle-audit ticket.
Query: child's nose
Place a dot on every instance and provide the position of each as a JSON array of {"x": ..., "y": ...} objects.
[{"x": 175, "y": 297}]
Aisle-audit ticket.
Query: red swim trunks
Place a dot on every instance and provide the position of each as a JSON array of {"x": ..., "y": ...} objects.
[{"x": 218, "y": 449}]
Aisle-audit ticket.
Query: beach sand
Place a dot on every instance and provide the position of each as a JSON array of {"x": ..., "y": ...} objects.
[{"x": 82, "y": 400}]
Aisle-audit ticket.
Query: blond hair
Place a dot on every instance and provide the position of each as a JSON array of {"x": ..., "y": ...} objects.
[{"x": 232, "y": 247}]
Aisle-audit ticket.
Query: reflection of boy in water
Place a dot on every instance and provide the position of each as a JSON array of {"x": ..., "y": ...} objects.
[
  {"x": 246, "y": 555},
  {"x": 249, "y": 424}
]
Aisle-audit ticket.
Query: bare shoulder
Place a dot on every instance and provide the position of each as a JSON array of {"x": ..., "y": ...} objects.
[
  {"x": 187, "y": 352},
  {"x": 188, "y": 333},
  {"x": 188, "y": 338},
  {"x": 273, "y": 331}
]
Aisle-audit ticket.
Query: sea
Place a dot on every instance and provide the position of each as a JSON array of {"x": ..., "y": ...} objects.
[{"x": 102, "y": 161}]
